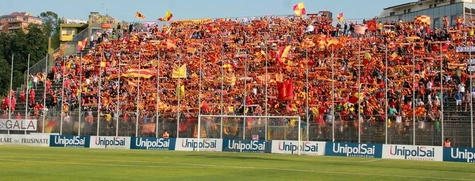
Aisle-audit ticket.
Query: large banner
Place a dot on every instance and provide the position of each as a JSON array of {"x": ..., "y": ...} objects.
[
  {"x": 153, "y": 143},
  {"x": 30, "y": 140},
  {"x": 292, "y": 147},
  {"x": 459, "y": 155},
  {"x": 110, "y": 142},
  {"x": 412, "y": 152},
  {"x": 253, "y": 146},
  {"x": 19, "y": 124},
  {"x": 69, "y": 141},
  {"x": 353, "y": 150},
  {"x": 205, "y": 144}
]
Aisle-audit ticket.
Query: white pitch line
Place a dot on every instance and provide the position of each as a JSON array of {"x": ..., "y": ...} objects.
[
  {"x": 192, "y": 165},
  {"x": 372, "y": 160}
]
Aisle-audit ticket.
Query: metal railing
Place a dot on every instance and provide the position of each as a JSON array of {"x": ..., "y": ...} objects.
[
  {"x": 409, "y": 132},
  {"x": 68, "y": 48}
]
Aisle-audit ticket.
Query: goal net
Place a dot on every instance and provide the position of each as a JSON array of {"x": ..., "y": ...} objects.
[{"x": 243, "y": 128}]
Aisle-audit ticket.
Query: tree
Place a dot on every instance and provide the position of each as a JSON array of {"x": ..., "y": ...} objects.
[
  {"x": 50, "y": 22},
  {"x": 33, "y": 41},
  {"x": 51, "y": 27}
]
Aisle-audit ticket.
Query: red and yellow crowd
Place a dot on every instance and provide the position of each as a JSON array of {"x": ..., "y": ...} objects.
[{"x": 268, "y": 66}]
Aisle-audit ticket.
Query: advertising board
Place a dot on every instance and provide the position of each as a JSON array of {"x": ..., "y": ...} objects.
[
  {"x": 29, "y": 140},
  {"x": 152, "y": 143},
  {"x": 459, "y": 155},
  {"x": 110, "y": 142},
  {"x": 412, "y": 152},
  {"x": 205, "y": 144},
  {"x": 292, "y": 147},
  {"x": 69, "y": 141},
  {"x": 19, "y": 124},
  {"x": 353, "y": 150},
  {"x": 252, "y": 146}
]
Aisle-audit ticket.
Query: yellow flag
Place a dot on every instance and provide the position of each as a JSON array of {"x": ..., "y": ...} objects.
[
  {"x": 367, "y": 56},
  {"x": 180, "y": 91},
  {"x": 179, "y": 72}
]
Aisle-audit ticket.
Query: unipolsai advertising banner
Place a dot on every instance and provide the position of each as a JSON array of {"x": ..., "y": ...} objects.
[
  {"x": 292, "y": 147},
  {"x": 459, "y": 155},
  {"x": 252, "y": 146},
  {"x": 110, "y": 142},
  {"x": 29, "y": 140},
  {"x": 412, "y": 152},
  {"x": 204, "y": 144},
  {"x": 69, "y": 141},
  {"x": 353, "y": 150},
  {"x": 152, "y": 143}
]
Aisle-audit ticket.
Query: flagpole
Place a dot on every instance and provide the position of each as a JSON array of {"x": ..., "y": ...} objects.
[
  {"x": 137, "y": 113},
  {"x": 471, "y": 98},
  {"x": 386, "y": 97},
  {"x": 306, "y": 95},
  {"x": 199, "y": 95},
  {"x": 158, "y": 96},
  {"x": 359, "y": 95},
  {"x": 117, "y": 113},
  {"x": 244, "y": 98},
  {"x": 80, "y": 94},
  {"x": 178, "y": 92},
  {"x": 442, "y": 94},
  {"x": 62, "y": 97},
  {"x": 222, "y": 92},
  {"x": 99, "y": 106},
  {"x": 44, "y": 95},
  {"x": 413, "y": 97},
  {"x": 333, "y": 94},
  {"x": 266, "y": 92},
  {"x": 27, "y": 77},
  {"x": 200, "y": 87},
  {"x": 10, "y": 92}
]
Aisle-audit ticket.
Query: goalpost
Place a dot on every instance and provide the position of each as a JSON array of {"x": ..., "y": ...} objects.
[{"x": 267, "y": 124}]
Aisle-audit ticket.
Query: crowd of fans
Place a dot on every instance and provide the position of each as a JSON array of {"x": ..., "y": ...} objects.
[{"x": 303, "y": 60}]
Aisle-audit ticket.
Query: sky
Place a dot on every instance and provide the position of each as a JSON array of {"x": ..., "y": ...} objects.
[{"x": 124, "y": 10}]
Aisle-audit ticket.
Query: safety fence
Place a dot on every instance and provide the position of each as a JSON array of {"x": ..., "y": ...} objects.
[
  {"x": 418, "y": 132},
  {"x": 384, "y": 151}
]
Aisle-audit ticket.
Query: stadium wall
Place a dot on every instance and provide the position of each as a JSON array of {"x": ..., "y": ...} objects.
[{"x": 382, "y": 151}]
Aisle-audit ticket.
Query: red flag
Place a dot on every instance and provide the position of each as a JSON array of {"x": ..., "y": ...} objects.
[
  {"x": 148, "y": 128},
  {"x": 285, "y": 90},
  {"x": 371, "y": 24}
]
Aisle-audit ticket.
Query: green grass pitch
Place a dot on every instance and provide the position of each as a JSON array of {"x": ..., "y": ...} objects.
[{"x": 34, "y": 163}]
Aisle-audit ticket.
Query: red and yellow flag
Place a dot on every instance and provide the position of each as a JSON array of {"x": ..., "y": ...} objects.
[
  {"x": 140, "y": 15},
  {"x": 168, "y": 16},
  {"x": 283, "y": 56},
  {"x": 81, "y": 44},
  {"x": 340, "y": 17},
  {"x": 299, "y": 9}
]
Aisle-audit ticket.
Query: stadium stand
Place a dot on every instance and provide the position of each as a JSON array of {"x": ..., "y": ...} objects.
[{"x": 221, "y": 66}]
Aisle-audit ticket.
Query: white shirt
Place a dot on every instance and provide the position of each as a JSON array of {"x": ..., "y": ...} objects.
[
  {"x": 429, "y": 85},
  {"x": 461, "y": 88},
  {"x": 309, "y": 28}
]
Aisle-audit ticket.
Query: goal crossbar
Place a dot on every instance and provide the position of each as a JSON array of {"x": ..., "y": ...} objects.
[{"x": 250, "y": 116}]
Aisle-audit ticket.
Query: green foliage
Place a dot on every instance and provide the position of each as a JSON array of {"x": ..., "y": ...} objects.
[
  {"x": 51, "y": 27},
  {"x": 33, "y": 41}
]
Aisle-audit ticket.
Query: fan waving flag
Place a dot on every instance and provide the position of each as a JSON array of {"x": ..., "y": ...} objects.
[
  {"x": 140, "y": 15},
  {"x": 299, "y": 9},
  {"x": 340, "y": 17},
  {"x": 168, "y": 16}
]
